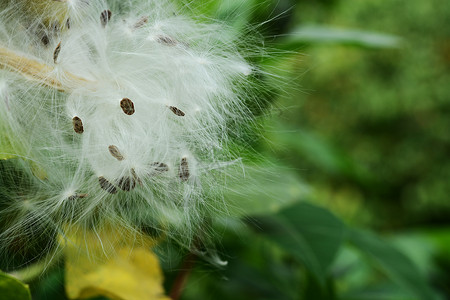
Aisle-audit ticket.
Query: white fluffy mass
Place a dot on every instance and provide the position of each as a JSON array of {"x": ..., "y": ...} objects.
[{"x": 115, "y": 112}]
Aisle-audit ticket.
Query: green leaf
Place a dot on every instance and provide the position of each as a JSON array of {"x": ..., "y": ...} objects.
[
  {"x": 314, "y": 34},
  {"x": 13, "y": 289},
  {"x": 264, "y": 189},
  {"x": 310, "y": 233},
  {"x": 396, "y": 265}
]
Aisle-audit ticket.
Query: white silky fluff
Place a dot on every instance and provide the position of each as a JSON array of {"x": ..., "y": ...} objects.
[{"x": 161, "y": 60}]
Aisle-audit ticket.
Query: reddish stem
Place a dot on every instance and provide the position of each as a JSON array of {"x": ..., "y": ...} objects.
[{"x": 182, "y": 277}]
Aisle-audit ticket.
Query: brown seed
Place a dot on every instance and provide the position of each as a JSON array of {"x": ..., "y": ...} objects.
[
  {"x": 127, "y": 106},
  {"x": 159, "y": 167},
  {"x": 77, "y": 196},
  {"x": 105, "y": 16},
  {"x": 141, "y": 22},
  {"x": 126, "y": 183},
  {"x": 77, "y": 125},
  {"x": 183, "y": 171},
  {"x": 166, "y": 40},
  {"x": 68, "y": 23},
  {"x": 135, "y": 177},
  {"x": 45, "y": 39},
  {"x": 55, "y": 27},
  {"x": 176, "y": 111},
  {"x": 106, "y": 185},
  {"x": 115, "y": 152},
  {"x": 56, "y": 52}
]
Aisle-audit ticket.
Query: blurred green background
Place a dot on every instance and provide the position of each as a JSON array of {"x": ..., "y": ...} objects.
[
  {"x": 350, "y": 196},
  {"x": 359, "y": 125}
]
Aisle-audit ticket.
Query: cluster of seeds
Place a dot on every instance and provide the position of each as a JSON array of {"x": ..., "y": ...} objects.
[
  {"x": 150, "y": 99},
  {"x": 126, "y": 183}
]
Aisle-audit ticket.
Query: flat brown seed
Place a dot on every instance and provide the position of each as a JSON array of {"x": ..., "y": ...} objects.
[
  {"x": 77, "y": 196},
  {"x": 127, "y": 106},
  {"x": 183, "y": 171},
  {"x": 159, "y": 167},
  {"x": 141, "y": 22},
  {"x": 56, "y": 52},
  {"x": 77, "y": 125},
  {"x": 106, "y": 185},
  {"x": 55, "y": 27},
  {"x": 176, "y": 111},
  {"x": 45, "y": 39},
  {"x": 105, "y": 16},
  {"x": 126, "y": 183},
  {"x": 115, "y": 152},
  {"x": 68, "y": 23},
  {"x": 166, "y": 40},
  {"x": 135, "y": 177}
]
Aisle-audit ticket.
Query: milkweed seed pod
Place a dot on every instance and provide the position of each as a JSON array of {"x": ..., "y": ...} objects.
[{"x": 116, "y": 111}]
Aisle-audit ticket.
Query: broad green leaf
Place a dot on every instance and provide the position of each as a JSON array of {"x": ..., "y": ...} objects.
[
  {"x": 396, "y": 265},
  {"x": 263, "y": 189},
  {"x": 112, "y": 263},
  {"x": 13, "y": 289},
  {"x": 310, "y": 233},
  {"x": 315, "y": 34}
]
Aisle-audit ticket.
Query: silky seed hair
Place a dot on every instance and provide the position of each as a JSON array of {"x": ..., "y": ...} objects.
[{"x": 89, "y": 116}]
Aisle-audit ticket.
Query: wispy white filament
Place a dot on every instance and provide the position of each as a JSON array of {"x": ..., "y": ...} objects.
[{"x": 136, "y": 130}]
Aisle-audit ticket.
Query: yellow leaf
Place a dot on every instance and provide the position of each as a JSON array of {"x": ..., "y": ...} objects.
[{"x": 114, "y": 265}]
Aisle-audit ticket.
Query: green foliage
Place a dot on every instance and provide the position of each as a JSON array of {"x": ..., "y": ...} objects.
[
  {"x": 309, "y": 233},
  {"x": 267, "y": 188},
  {"x": 13, "y": 289},
  {"x": 386, "y": 109},
  {"x": 399, "y": 267},
  {"x": 314, "y": 34}
]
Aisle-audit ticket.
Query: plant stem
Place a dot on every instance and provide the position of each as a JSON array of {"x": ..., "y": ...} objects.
[
  {"x": 38, "y": 71},
  {"x": 182, "y": 277}
]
